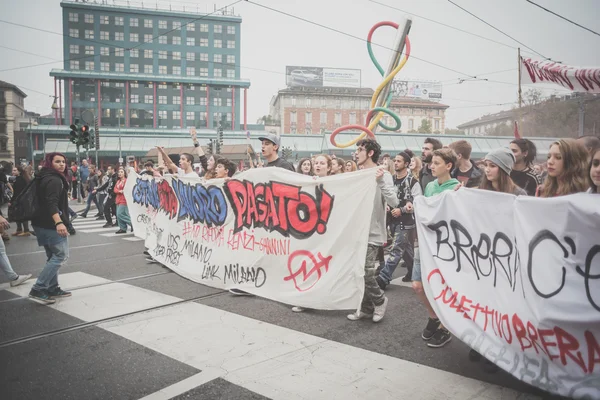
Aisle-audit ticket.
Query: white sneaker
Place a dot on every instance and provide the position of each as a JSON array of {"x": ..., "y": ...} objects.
[
  {"x": 380, "y": 310},
  {"x": 298, "y": 309},
  {"x": 358, "y": 315},
  {"x": 21, "y": 279}
]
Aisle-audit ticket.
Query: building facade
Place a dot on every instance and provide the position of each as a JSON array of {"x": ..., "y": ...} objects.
[
  {"x": 499, "y": 123},
  {"x": 310, "y": 110},
  {"x": 146, "y": 68},
  {"x": 12, "y": 110}
]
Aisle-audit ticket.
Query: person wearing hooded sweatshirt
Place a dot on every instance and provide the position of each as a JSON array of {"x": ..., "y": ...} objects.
[{"x": 50, "y": 225}]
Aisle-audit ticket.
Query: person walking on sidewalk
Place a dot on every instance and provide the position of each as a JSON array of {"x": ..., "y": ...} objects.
[
  {"x": 110, "y": 208},
  {"x": 123, "y": 218},
  {"x": 92, "y": 183},
  {"x": 50, "y": 226},
  {"x": 13, "y": 277},
  {"x": 22, "y": 178}
]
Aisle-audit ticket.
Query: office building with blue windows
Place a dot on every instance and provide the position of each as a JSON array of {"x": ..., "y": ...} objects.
[{"x": 145, "y": 70}]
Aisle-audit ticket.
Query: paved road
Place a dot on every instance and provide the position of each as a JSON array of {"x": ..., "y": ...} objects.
[{"x": 135, "y": 330}]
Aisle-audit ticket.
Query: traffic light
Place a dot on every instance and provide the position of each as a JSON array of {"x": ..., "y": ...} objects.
[
  {"x": 210, "y": 147},
  {"x": 73, "y": 135},
  {"x": 85, "y": 134},
  {"x": 219, "y": 139}
]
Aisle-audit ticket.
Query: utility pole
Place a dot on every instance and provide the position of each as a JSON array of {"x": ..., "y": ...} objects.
[{"x": 581, "y": 114}]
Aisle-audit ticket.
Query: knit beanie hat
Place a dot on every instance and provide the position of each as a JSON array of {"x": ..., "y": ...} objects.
[{"x": 503, "y": 158}]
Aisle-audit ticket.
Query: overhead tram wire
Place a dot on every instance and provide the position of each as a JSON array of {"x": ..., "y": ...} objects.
[
  {"x": 562, "y": 17},
  {"x": 499, "y": 30},
  {"x": 26, "y": 52}
]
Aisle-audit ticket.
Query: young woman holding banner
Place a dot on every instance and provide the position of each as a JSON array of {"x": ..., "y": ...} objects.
[
  {"x": 498, "y": 166},
  {"x": 567, "y": 169}
]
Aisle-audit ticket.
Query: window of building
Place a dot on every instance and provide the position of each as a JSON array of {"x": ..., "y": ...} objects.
[
  {"x": 177, "y": 25},
  {"x": 411, "y": 124},
  {"x": 352, "y": 118},
  {"x": 176, "y": 70},
  {"x": 293, "y": 117},
  {"x": 134, "y": 98},
  {"x": 120, "y": 21},
  {"x": 203, "y": 56},
  {"x": 338, "y": 118},
  {"x": 104, "y": 20},
  {"x": 202, "y": 101},
  {"x": 134, "y": 37},
  {"x": 119, "y": 36},
  {"x": 147, "y": 23},
  {"x": 218, "y": 43},
  {"x": 162, "y": 24},
  {"x": 308, "y": 117},
  {"x": 162, "y": 69},
  {"x": 230, "y": 59},
  {"x": 437, "y": 112},
  {"x": 218, "y": 73},
  {"x": 436, "y": 124},
  {"x": 104, "y": 35},
  {"x": 412, "y": 110},
  {"x": 203, "y": 27},
  {"x": 104, "y": 66},
  {"x": 147, "y": 53},
  {"x": 191, "y": 27},
  {"x": 191, "y": 41},
  {"x": 134, "y": 22},
  {"x": 218, "y": 28},
  {"x": 293, "y": 100},
  {"x": 190, "y": 56},
  {"x": 135, "y": 53},
  {"x": 176, "y": 40},
  {"x": 176, "y": 100},
  {"x": 190, "y": 71},
  {"x": 74, "y": 49},
  {"x": 228, "y": 102},
  {"x": 104, "y": 51},
  {"x": 74, "y": 33},
  {"x": 218, "y": 58},
  {"x": 231, "y": 30},
  {"x": 119, "y": 52},
  {"x": 89, "y": 65},
  {"x": 134, "y": 68},
  {"x": 88, "y": 18},
  {"x": 74, "y": 64},
  {"x": 119, "y": 67},
  {"x": 189, "y": 115},
  {"x": 323, "y": 117},
  {"x": 134, "y": 85},
  {"x": 217, "y": 101},
  {"x": 162, "y": 54},
  {"x": 162, "y": 99},
  {"x": 162, "y": 86},
  {"x": 176, "y": 55},
  {"x": 189, "y": 101},
  {"x": 231, "y": 44},
  {"x": 148, "y": 38},
  {"x": 203, "y": 71},
  {"x": 176, "y": 115},
  {"x": 148, "y": 69},
  {"x": 89, "y": 34},
  {"x": 73, "y": 17},
  {"x": 89, "y": 50},
  {"x": 149, "y": 99},
  {"x": 204, "y": 43},
  {"x": 162, "y": 114}
]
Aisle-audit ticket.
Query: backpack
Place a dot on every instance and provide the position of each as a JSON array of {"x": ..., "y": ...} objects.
[{"x": 25, "y": 206}]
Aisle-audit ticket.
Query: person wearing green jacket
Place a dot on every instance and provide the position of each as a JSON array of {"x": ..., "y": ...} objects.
[{"x": 442, "y": 164}]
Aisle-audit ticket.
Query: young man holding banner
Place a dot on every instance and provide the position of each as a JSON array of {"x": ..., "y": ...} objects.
[
  {"x": 374, "y": 301},
  {"x": 442, "y": 163}
]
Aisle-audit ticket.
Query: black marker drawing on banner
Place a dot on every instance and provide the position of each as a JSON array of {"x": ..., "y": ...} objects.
[
  {"x": 210, "y": 272},
  {"x": 499, "y": 252},
  {"x": 544, "y": 236},
  {"x": 173, "y": 254},
  {"x": 237, "y": 274},
  {"x": 197, "y": 251}
]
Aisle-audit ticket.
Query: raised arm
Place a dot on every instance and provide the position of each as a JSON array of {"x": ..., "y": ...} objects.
[
  {"x": 167, "y": 160},
  {"x": 199, "y": 151}
]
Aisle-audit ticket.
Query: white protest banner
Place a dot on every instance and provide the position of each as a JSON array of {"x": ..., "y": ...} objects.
[
  {"x": 288, "y": 237},
  {"x": 518, "y": 280},
  {"x": 576, "y": 79}
]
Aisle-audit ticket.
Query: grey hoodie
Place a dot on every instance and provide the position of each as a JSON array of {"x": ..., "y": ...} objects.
[{"x": 386, "y": 192}]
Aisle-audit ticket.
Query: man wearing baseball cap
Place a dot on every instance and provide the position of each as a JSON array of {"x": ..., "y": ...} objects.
[{"x": 270, "y": 148}]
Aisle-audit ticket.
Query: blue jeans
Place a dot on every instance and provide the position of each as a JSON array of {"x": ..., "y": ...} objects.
[
  {"x": 5, "y": 263},
  {"x": 101, "y": 199},
  {"x": 403, "y": 243},
  {"x": 91, "y": 197},
  {"x": 123, "y": 218},
  {"x": 57, "y": 251}
]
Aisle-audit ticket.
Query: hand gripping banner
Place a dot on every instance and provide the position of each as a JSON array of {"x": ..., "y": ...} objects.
[
  {"x": 518, "y": 280},
  {"x": 291, "y": 238}
]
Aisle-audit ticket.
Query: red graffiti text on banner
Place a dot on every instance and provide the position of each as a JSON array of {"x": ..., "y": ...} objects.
[{"x": 297, "y": 266}]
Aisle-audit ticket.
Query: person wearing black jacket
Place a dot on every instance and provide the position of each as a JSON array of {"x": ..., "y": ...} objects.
[
  {"x": 22, "y": 178},
  {"x": 50, "y": 225},
  {"x": 110, "y": 208}
]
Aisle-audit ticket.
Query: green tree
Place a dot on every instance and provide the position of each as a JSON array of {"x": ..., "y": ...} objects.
[{"x": 425, "y": 126}]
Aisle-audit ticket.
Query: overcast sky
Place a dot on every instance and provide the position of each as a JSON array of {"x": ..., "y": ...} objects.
[{"x": 270, "y": 41}]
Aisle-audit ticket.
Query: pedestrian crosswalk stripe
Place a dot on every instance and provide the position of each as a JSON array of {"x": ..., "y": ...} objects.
[
  {"x": 90, "y": 223},
  {"x": 133, "y": 239},
  {"x": 110, "y": 228},
  {"x": 115, "y": 234}
]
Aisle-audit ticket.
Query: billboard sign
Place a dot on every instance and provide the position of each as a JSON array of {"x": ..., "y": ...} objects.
[
  {"x": 426, "y": 90},
  {"x": 322, "y": 77}
]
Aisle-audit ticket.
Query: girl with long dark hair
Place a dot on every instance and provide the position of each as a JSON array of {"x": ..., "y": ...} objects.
[
  {"x": 498, "y": 166},
  {"x": 594, "y": 171},
  {"x": 305, "y": 167},
  {"x": 22, "y": 178},
  {"x": 50, "y": 226},
  {"x": 567, "y": 169}
]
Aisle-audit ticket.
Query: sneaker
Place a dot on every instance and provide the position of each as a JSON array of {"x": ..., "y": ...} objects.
[
  {"x": 107, "y": 225},
  {"x": 58, "y": 292},
  {"x": 41, "y": 297},
  {"x": 381, "y": 283},
  {"x": 83, "y": 215},
  {"x": 380, "y": 310},
  {"x": 239, "y": 292},
  {"x": 24, "y": 234},
  {"x": 431, "y": 328},
  {"x": 440, "y": 338},
  {"x": 20, "y": 279},
  {"x": 115, "y": 225},
  {"x": 100, "y": 218},
  {"x": 120, "y": 231},
  {"x": 298, "y": 309},
  {"x": 71, "y": 231},
  {"x": 406, "y": 278},
  {"x": 359, "y": 315}
]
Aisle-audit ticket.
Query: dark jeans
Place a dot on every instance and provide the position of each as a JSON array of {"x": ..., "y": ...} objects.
[
  {"x": 23, "y": 226},
  {"x": 110, "y": 209},
  {"x": 403, "y": 243}
]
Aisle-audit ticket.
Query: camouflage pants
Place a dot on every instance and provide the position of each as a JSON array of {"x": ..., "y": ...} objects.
[{"x": 373, "y": 294}]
